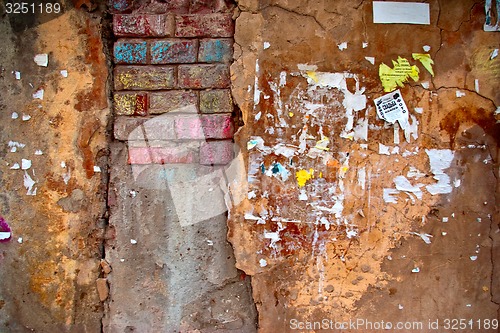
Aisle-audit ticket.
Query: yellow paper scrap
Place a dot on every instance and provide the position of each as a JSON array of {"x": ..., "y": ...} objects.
[
  {"x": 391, "y": 78},
  {"x": 312, "y": 75},
  {"x": 323, "y": 144},
  {"x": 303, "y": 176},
  {"x": 426, "y": 61}
]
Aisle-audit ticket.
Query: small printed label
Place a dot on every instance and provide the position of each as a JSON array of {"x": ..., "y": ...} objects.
[{"x": 391, "y": 108}]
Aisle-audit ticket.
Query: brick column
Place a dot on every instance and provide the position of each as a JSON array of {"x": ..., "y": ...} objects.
[{"x": 173, "y": 61}]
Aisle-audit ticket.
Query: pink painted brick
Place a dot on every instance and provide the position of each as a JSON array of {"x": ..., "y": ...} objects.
[
  {"x": 216, "y": 152},
  {"x": 202, "y": 76},
  {"x": 160, "y": 155},
  {"x": 204, "y": 127},
  {"x": 173, "y": 101},
  {"x": 144, "y": 77},
  {"x": 204, "y": 25},
  {"x": 143, "y": 25}
]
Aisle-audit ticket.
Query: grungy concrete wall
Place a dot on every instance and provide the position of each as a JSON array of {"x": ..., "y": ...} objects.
[
  {"x": 343, "y": 216},
  {"x": 53, "y": 196}
]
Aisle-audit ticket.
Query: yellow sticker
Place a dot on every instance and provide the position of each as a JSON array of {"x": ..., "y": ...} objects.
[
  {"x": 312, "y": 75},
  {"x": 391, "y": 78},
  {"x": 426, "y": 61},
  {"x": 303, "y": 176}
]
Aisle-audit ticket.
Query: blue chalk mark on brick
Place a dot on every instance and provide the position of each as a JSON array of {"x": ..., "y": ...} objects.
[
  {"x": 215, "y": 51},
  {"x": 167, "y": 52},
  {"x": 131, "y": 53}
]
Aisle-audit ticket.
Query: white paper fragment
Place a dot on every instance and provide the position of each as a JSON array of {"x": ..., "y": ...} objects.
[
  {"x": 459, "y": 93},
  {"x": 414, "y": 173},
  {"x": 444, "y": 219},
  {"x": 258, "y": 115},
  {"x": 25, "y": 164},
  {"x": 14, "y": 115},
  {"x": 401, "y": 12},
  {"x": 473, "y": 258},
  {"x": 396, "y": 134},
  {"x": 426, "y": 48},
  {"x": 42, "y": 59},
  {"x": 26, "y": 117},
  {"x": 383, "y": 149},
  {"x": 391, "y": 107},
  {"x": 97, "y": 168},
  {"x": 371, "y": 60},
  {"x": 362, "y": 178},
  {"x": 388, "y": 195},
  {"x": 411, "y": 131},
  {"x": 16, "y": 166},
  {"x": 419, "y": 110},
  {"x": 20, "y": 240},
  {"x": 4, "y": 235},
  {"x": 267, "y": 45},
  {"x": 38, "y": 152},
  {"x": 303, "y": 195},
  {"x": 13, "y": 145},
  {"x": 400, "y": 307},
  {"x": 476, "y": 85},
  {"x": 403, "y": 184},
  {"x": 64, "y": 73},
  {"x": 494, "y": 54},
  {"x": 38, "y": 94},
  {"x": 63, "y": 164},
  {"x": 440, "y": 159},
  {"x": 18, "y": 75},
  {"x": 365, "y": 45},
  {"x": 425, "y": 84},
  {"x": 457, "y": 182},
  {"x": 133, "y": 241},
  {"x": 28, "y": 184},
  {"x": 415, "y": 270},
  {"x": 342, "y": 46},
  {"x": 425, "y": 237},
  {"x": 262, "y": 262},
  {"x": 444, "y": 233}
]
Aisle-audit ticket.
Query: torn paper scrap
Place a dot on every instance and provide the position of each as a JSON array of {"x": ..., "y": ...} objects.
[
  {"x": 391, "y": 78},
  {"x": 490, "y": 24},
  {"x": 38, "y": 94},
  {"x": 391, "y": 108},
  {"x": 42, "y": 59},
  {"x": 28, "y": 184},
  {"x": 401, "y": 12},
  {"x": 426, "y": 48},
  {"x": 64, "y": 73},
  {"x": 18, "y": 75},
  {"x": 426, "y": 61},
  {"x": 371, "y": 60},
  {"x": 440, "y": 159},
  {"x": 342, "y": 46},
  {"x": 494, "y": 54},
  {"x": 425, "y": 237},
  {"x": 459, "y": 93},
  {"x": 5, "y": 232}
]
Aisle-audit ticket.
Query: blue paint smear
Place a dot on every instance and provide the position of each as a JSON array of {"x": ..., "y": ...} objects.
[
  {"x": 131, "y": 53},
  {"x": 215, "y": 51},
  {"x": 165, "y": 52}
]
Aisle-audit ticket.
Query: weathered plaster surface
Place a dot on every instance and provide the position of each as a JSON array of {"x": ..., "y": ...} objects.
[
  {"x": 49, "y": 268},
  {"x": 334, "y": 248}
]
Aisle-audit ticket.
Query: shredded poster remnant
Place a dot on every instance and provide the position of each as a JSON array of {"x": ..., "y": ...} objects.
[{"x": 391, "y": 78}]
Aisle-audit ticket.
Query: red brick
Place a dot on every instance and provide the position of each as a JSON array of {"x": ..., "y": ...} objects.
[
  {"x": 201, "y": 76},
  {"x": 216, "y": 101},
  {"x": 216, "y": 50},
  {"x": 173, "y": 51},
  {"x": 173, "y": 100},
  {"x": 204, "y": 127},
  {"x": 142, "y": 130},
  {"x": 216, "y": 152},
  {"x": 143, "y": 25},
  {"x": 144, "y": 77},
  {"x": 160, "y": 155},
  {"x": 204, "y": 25},
  {"x": 129, "y": 103}
]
